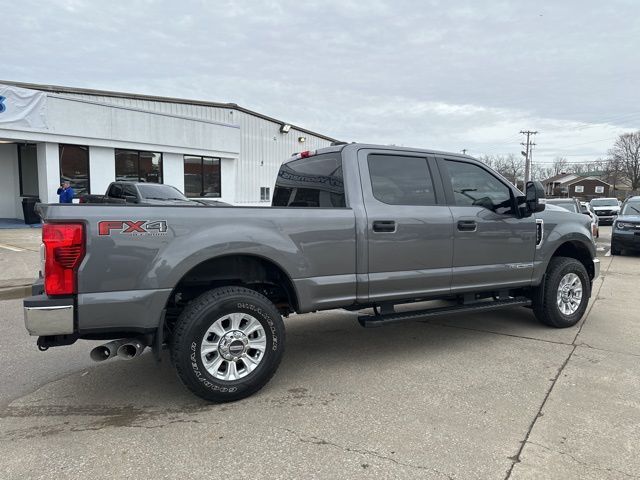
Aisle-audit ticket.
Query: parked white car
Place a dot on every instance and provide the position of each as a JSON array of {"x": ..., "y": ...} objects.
[{"x": 607, "y": 209}]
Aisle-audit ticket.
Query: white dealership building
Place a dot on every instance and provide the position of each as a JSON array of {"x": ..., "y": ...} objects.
[{"x": 91, "y": 138}]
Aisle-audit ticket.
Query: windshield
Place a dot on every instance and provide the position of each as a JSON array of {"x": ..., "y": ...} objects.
[
  {"x": 570, "y": 206},
  {"x": 604, "y": 202},
  {"x": 631, "y": 208},
  {"x": 161, "y": 192}
]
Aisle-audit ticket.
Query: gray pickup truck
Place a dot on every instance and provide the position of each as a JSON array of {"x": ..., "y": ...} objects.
[{"x": 358, "y": 227}]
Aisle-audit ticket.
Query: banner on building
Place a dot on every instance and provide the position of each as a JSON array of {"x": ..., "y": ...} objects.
[{"x": 21, "y": 108}]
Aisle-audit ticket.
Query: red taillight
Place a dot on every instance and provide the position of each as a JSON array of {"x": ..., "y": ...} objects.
[
  {"x": 305, "y": 154},
  {"x": 64, "y": 250}
]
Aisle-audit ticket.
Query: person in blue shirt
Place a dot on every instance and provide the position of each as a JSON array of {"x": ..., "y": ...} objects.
[{"x": 66, "y": 193}]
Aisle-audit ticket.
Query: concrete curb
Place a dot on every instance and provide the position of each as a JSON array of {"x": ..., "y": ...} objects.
[{"x": 12, "y": 293}]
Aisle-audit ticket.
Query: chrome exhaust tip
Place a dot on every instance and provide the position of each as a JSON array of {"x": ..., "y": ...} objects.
[
  {"x": 126, "y": 348},
  {"x": 106, "y": 351},
  {"x": 130, "y": 350}
]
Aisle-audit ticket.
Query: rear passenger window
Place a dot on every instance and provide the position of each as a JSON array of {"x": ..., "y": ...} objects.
[
  {"x": 397, "y": 180},
  {"x": 311, "y": 182}
]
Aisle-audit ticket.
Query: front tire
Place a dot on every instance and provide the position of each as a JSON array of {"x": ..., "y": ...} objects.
[
  {"x": 227, "y": 344},
  {"x": 562, "y": 299},
  {"x": 616, "y": 250}
]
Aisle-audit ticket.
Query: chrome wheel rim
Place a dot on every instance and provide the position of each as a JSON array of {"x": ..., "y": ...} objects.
[
  {"x": 569, "y": 294},
  {"x": 233, "y": 346}
]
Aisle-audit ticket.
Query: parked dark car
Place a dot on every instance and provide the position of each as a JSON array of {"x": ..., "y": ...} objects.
[
  {"x": 139, "y": 193},
  {"x": 626, "y": 228},
  {"x": 573, "y": 205}
]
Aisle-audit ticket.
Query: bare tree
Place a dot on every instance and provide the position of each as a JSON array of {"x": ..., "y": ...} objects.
[
  {"x": 611, "y": 170},
  {"x": 488, "y": 160},
  {"x": 577, "y": 168},
  {"x": 626, "y": 151},
  {"x": 512, "y": 168},
  {"x": 538, "y": 172},
  {"x": 509, "y": 166},
  {"x": 559, "y": 165}
]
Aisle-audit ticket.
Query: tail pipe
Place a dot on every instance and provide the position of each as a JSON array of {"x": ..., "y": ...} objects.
[
  {"x": 126, "y": 348},
  {"x": 131, "y": 349}
]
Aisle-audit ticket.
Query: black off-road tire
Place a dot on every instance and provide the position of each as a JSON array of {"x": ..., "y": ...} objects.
[
  {"x": 194, "y": 322},
  {"x": 544, "y": 298}
]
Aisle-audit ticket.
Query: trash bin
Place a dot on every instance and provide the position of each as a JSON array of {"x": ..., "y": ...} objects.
[{"x": 29, "y": 210}]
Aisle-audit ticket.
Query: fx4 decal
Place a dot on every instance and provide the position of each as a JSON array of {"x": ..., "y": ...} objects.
[{"x": 133, "y": 227}]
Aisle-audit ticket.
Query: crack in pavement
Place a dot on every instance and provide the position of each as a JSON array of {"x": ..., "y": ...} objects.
[
  {"x": 362, "y": 451},
  {"x": 518, "y": 457},
  {"x": 586, "y": 464},
  {"x": 513, "y": 335},
  {"x": 586, "y": 345}
]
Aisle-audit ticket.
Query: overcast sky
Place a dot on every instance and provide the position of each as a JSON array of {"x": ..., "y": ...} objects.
[{"x": 438, "y": 74}]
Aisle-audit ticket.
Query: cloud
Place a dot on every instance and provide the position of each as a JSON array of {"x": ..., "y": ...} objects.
[{"x": 448, "y": 75}]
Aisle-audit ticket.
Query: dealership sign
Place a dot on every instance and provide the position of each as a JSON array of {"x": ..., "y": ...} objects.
[{"x": 21, "y": 108}]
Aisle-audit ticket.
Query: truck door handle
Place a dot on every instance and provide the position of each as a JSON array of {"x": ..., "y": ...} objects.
[
  {"x": 467, "y": 226},
  {"x": 384, "y": 226}
]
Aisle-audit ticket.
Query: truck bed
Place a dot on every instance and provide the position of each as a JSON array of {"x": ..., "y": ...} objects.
[{"x": 134, "y": 262}]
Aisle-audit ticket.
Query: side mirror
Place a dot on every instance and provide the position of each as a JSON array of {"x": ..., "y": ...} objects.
[{"x": 535, "y": 198}]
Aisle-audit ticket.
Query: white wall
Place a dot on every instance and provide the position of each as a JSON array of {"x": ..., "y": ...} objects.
[
  {"x": 173, "y": 170},
  {"x": 8, "y": 180},
  {"x": 90, "y": 119},
  {"x": 228, "y": 172},
  {"x": 102, "y": 169},
  {"x": 262, "y": 150},
  {"x": 48, "y": 172}
]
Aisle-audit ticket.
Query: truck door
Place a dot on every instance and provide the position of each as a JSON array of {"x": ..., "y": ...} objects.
[
  {"x": 492, "y": 246},
  {"x": 409, "y": 227}
]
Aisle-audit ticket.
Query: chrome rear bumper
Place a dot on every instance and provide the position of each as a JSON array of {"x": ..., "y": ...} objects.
[{"x": 45, "y": 317}]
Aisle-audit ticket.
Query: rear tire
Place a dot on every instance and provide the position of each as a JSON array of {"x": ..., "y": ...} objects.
[
  {"x": 227, "y": 344},
  {"x": 563, "y": 297}
]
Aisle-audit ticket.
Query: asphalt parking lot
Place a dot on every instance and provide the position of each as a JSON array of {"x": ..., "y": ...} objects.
[{"x": 492, "y": 396}]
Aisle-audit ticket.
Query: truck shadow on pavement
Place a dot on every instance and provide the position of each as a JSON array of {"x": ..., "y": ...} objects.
[
  {"x": 316, "y": 343},
  {"x": 328, "y": 356}
]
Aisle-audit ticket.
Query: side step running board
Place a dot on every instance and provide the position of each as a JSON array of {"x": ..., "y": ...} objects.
[{"x": 381, "y": 320}]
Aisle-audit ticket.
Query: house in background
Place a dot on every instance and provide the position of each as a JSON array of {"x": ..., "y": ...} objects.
[{"x": 574, "y": 185}]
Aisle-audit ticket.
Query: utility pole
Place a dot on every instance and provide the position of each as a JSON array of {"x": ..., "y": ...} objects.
[
  {"x": 527, "y": 153},
  {"x": 464, "y": 151}
]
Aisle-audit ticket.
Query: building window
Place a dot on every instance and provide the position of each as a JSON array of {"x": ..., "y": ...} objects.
[
  {"x": 135, "y": 166},
  {"x": 265, "y": 194},
  {"x": 74, "y": 167},
  {"x": 202, "y": 176},
  {"x": 599, "y": 189},
  {"x": 28, "y": 169},
  {"x": 579, "y": 188}
]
